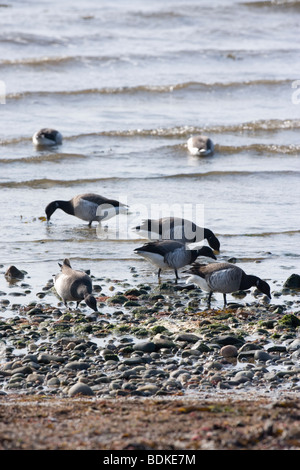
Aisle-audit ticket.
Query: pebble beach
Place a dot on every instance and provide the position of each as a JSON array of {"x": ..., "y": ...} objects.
[
  {"x": 149, "y": 341},
  {"x": 148, "y": 346}
]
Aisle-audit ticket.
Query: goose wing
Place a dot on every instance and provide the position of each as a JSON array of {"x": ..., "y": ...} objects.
[
  {"x": 162, "y": 248},
  {"x": 97, "y": 199},
  {"x": 224, "y": 279}
]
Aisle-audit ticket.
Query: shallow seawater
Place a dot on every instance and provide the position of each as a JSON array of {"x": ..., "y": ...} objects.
[{"x": 127, "y": 85}]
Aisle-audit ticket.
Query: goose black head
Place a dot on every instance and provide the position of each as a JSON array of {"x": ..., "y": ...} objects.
[
  {"x": 206, "y": 251},
  {"x": 214, "y": 242},
  {"x": 91, "y": 302},
  {"x": 263, "y": 287},
  {"x": 51, "y": 207}
]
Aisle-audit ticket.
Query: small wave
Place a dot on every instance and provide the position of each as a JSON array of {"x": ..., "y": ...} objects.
[
  {"x": 56, "y": 157},
  {"x": 46, "y": 183},
  {"x": 15, "y": 140},
  {"x": 53, "y": 61},
  {"x": 142, "y": 89},
  {"x": 275, "y": 4},
  {"x": 37, "y": 61},
  {"x": 261, "y": 148},
  {"x": 223, "y": 174},
  {"x": 261, "y": 234},
  {"x": 187, "y": 131}
]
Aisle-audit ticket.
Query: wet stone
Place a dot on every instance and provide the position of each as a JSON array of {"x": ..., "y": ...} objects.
[
  {"x": 293, "y": 282},
  {"x": 14, "y": 273},
  {"x": 163, "y": 341},
  {"x": 229, "y": 351},
  {"x": 262, "y": 356},
  {"x": 146, "y": 346},
  {"x": 188, "y": 337},
  {"x": 80, "y": 389}
]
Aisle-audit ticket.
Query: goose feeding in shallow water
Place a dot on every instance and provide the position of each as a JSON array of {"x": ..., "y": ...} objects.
[
  {"x": 176, "y": 228},
  {"x": 225, "y": 278},
  {"x": 47, "y": 137},
  {"x": 172, "y": 254},
  {"x": 72, "y": 285},
  {"x": 200, "y": 145},
  {"x": 90, "y": 207}
]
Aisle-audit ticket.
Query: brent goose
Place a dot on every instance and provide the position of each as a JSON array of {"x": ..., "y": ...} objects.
[
  {"x": 90, "y": 207},
  {"x": 200, "y": 145},
  {"x": 224, "y": 278},
  {"x": 176, "y": 228},
  {"x": 47, "y": 137},
  {"x": 74, "y": 285},
  {"x": 171, "y": 254}
]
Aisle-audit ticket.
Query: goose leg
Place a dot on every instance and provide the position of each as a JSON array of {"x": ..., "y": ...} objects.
[
  {"x": 176, "y": 275},
  {"x": 158, "y": 274},
  {"x": 209, "y": 299},
  {"x": 225, "y": 302}
]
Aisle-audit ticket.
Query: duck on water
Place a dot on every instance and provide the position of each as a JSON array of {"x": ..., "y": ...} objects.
[
  {"x": 47, "y": 137},
  {"x": 89, "y": 207},
  {"x": 73, "y": 285},
  {"x": 200, "y": 145},
  {"x": 225, "y": 278},
  {"x": 171, "y": 254}
]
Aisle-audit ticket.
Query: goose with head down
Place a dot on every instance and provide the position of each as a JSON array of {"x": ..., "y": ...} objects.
[
  {"x": 225, "y": 278},
  {"x": 200, "y": 145},
  {"x": 172, "y": 254},
  {"x": 73, "y": 285},
  {"x": 47, "y": 138},
  {"x": 176, "y": 228},
  {"x": 90, "y": 207}
]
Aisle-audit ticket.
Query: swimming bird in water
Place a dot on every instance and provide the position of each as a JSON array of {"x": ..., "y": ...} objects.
[
  {"x": 90, "y": 207},
  {"x": 176, "y": 228},
  {"x": 171, "y": 254},
  {"x": 224, "y": 278},
  {"x": 47, "y": 137},
  {"x": 72, "y": 285},
  {"x": 200, "y": 145}
]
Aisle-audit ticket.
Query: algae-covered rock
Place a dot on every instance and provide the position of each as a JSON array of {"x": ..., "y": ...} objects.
[
  {"x": 293, "y": 282},
  {"x": 289, "y": 320},
  {"x": 117, "y": 299}
]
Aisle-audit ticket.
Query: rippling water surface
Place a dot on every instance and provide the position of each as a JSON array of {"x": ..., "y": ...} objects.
[{"x": 127, "y": 83}]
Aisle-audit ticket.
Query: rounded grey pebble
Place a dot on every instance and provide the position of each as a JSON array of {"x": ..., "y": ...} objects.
[
  {"x": 53, "y": 382},
  {"x": 80, "y": 389},
  {"x": 161, "y": 341},
  {"x": 188, "y": 337},
  {"x": 145, "y": 346},
  {"x": 76, "y": 365},
  {"x": 262, "y": 356},
  {"x": 229, "y": 351},
  {"x": 133, "y": 360},
  {"x": 294, "y": 345}
]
